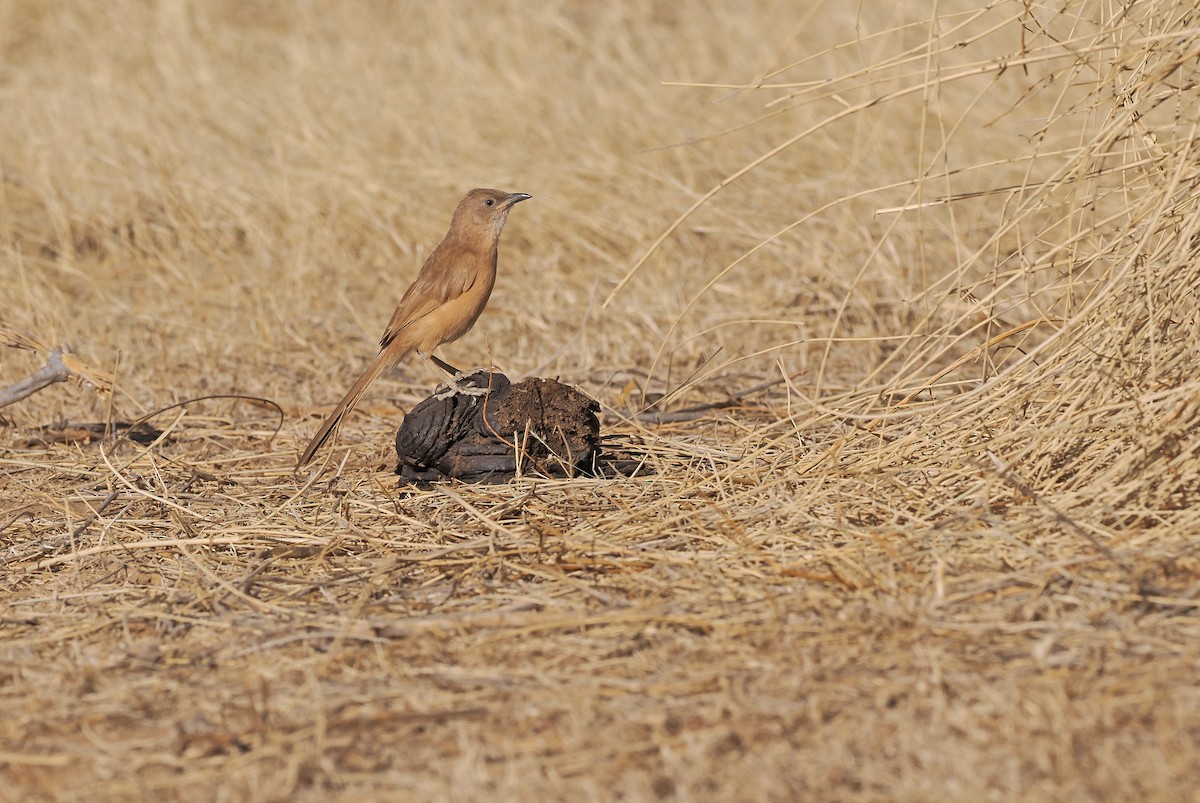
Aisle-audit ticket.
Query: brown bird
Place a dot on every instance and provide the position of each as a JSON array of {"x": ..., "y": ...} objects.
[{"x": 443, "y": 303}]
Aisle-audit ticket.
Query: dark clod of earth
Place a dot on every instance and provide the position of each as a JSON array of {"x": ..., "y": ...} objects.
[{"x": 538, "y": 427}]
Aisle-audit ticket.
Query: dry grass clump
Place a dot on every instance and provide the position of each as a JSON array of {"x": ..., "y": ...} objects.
[{"x": 898, "y": 311}]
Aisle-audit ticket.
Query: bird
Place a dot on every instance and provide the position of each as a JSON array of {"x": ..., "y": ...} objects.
[{"x": 443, "y": 302}]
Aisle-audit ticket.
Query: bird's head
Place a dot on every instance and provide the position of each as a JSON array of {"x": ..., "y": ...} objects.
[{"x": 486, "y": 209}]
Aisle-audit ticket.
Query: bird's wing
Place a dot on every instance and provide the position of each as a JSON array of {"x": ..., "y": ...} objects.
[{"x": 444, "y": 278}]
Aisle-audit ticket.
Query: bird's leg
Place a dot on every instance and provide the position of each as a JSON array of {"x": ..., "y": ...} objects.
[
  {"x": 445, "y": 366},
  {"x": 456, "y": 385}
]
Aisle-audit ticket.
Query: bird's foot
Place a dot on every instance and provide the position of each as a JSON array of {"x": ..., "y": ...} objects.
[{"x": 465, "y": 384}]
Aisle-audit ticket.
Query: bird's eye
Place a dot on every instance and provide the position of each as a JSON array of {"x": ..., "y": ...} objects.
[{"x": 490, "y": 202}]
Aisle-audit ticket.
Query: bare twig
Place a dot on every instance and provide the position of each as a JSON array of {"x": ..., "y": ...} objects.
[
  {"x": 53, "y": 371},
  {"x": 60, "y": 366}
]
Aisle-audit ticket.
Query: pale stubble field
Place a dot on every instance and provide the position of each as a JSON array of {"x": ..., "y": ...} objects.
[{"x": 919, "y": 287}]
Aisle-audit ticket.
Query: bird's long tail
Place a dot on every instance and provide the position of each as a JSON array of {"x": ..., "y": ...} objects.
[{"x": 386, "y": 357}]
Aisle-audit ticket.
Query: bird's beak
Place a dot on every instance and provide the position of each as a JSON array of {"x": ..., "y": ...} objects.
[{"x": 516, "y": 198}]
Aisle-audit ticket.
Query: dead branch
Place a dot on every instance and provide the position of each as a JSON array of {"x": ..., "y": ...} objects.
[
  {"x": 55, "y": 370},
  {"x": 60, "y": 366}
]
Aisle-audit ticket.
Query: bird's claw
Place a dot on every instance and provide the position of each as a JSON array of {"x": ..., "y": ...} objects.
[{"x": 457, "y": 387}]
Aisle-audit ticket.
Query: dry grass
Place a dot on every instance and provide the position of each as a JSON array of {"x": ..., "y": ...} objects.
[{"x": 942, "y": 546}]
